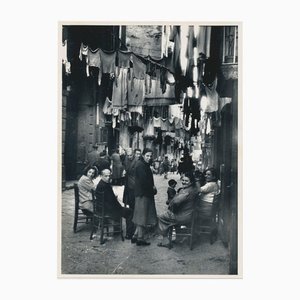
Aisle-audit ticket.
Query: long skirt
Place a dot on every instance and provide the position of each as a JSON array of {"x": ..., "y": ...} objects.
[{"x": 144, "y": 211}]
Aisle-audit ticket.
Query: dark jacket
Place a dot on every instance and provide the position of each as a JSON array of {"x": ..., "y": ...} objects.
[
  {"x": 143, "y": 179},
  {"x": 112, "y": 207},
  {"x": 102, "y": 163}
]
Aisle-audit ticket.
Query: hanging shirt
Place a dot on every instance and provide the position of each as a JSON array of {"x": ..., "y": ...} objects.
[
  {"x": 164, "y": 124},
  {"x": 107, "y": 107},
  {"x": 93, "y": 58},
  {"x": 136, "y": 92},
  {"x": 119, "y": 93},
  {"x": 108, "y": 60},
  {"x": 124, "y": 59},
  {"x": 178, "y": 123},
  {"x": 149, "y": 128},
  {"x": 83, "y": 50},
  {"x": 136, "y": 109},
  {"x": 171, "y": 124},
  {"x": 139, "y": 68},
  {"x": 156, "y": 122}
]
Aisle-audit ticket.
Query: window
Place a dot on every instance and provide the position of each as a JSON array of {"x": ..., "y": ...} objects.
[
  {"x": 230, "y": 45},
  {"x": 103, "y": 134}
]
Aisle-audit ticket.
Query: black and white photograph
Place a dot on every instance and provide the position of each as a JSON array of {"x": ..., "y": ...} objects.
[{"x": 150, "y": 150}]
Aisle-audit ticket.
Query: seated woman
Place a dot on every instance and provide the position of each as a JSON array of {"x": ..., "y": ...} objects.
[
  {"x": 85, "y": 186},
  {"x": 180, "y": 208},
  {"x": 207, "y": 192}
]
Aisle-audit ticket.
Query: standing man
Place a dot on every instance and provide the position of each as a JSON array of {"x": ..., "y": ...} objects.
[
  {"x": 102, "y": 163},
  {"x": 128, "y": 198},
  {"x": 93, "y": 156},
  {"x": 144, "y": 191}
]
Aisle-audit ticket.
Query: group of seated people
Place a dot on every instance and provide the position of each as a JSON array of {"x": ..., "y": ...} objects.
[{"x": 180, "y": 204}]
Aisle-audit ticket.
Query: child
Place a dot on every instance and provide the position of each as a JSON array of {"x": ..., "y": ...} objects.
[{"x": 171, "y": 190}]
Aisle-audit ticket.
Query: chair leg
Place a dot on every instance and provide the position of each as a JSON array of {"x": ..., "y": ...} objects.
[
  {"x": 75, "y": 222},
  {"x": 121, "y": 229},
  {"x": 93, "y": 228},
  {"x": 192, "y": 234},
  {"x": 170, "y": 231},
  {"x": 102, "y": 231}
]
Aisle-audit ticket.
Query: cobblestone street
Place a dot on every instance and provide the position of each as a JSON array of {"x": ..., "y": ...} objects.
[{"x": 79, "y": 255}]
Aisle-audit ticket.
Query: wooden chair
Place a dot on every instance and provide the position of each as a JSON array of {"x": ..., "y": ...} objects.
[
  {"x": 210, "y": 224},
  {"x": 79, "y": 216},
  {"x": 199, "y": 225},
  {"x": 103, "y": 221},
  {"x": 185, "y": 230}
]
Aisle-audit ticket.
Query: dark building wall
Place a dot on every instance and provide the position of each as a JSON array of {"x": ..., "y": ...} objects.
[{"x": 80, "y": 103}]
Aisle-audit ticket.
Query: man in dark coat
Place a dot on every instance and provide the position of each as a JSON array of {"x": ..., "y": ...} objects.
[
  {"x": 93, "y": 156},
  {"x": 128, "y": 198},
  {"x": 144, "y": 191},
  {"x": 102, "y": 163},
  {"x": 112, "y": 207}
]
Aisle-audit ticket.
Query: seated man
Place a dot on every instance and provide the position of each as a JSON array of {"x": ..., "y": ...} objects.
[
  {"x": 112, "y": 207},
  {"x": 180, "y": 209}
]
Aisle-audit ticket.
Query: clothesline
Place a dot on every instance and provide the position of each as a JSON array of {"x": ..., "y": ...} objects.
[{"x": 86, "y": 47}]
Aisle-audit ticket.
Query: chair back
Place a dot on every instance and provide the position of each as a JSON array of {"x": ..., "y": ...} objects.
[
  {"x": 98, "y": 203},
  {"x": 216, "y": 204}
]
